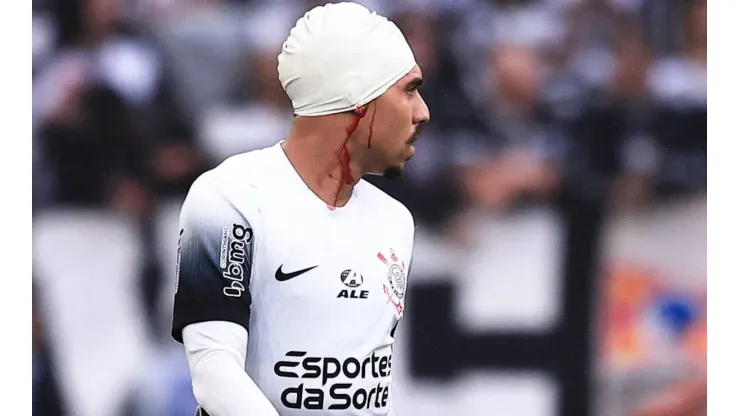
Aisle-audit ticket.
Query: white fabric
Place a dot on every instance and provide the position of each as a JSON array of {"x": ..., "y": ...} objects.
[
  {"x": 216, "y": 353},
  {"x": 341, "y": 56}
]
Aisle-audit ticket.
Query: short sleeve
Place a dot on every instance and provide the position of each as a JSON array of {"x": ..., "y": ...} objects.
[
  {"x": 410, "y": 227},
  {"x": 214, "y": 260}
]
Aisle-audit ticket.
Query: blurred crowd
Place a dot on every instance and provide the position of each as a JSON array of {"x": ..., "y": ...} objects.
[{"x": 530, "y": 100}]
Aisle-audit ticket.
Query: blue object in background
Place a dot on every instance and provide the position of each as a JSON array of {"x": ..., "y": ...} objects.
[{"x": 677, "y": 313}]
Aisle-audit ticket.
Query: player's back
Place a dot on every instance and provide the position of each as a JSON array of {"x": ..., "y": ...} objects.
[{"x": 326, "y": 285}]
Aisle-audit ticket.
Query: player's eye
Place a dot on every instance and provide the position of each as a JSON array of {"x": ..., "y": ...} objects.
[{"x": 413, "y": 86}]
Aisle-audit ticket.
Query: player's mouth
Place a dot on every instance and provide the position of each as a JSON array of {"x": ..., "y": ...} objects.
[{"x": 415, "y": 136}]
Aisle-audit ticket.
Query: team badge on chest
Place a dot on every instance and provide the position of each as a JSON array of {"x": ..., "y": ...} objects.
[{"x": 394, "y": 286}]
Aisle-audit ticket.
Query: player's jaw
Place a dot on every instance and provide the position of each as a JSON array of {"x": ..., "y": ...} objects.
[{"x": 398, "y": 160}]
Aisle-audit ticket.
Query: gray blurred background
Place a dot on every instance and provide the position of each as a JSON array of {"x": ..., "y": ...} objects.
[{"x": 560, "y": 189}]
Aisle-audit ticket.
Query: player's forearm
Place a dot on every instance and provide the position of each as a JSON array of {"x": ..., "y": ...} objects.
[
  {"x": 222, "y": 388},
  {"x": 216, "y": 352}
]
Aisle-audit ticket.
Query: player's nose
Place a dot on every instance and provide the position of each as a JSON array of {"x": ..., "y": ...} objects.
[{"x": 421, "y": 111}]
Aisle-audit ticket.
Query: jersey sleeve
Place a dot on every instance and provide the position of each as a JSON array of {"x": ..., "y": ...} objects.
[
  {"x": 411, "y": 237},
  {"x": 214, "y": 261}
]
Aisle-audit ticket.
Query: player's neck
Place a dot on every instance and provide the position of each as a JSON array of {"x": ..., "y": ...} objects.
[{"x": 328, "y": 168}]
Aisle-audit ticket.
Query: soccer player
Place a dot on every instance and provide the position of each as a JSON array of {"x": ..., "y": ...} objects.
[{"x": 292, "y": 270}]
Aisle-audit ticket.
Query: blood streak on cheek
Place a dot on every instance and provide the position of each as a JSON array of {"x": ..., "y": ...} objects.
[{"x": 342, "y": 153}]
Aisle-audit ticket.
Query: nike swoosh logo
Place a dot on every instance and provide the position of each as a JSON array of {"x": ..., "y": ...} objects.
[{"x": 282, "y": 277}]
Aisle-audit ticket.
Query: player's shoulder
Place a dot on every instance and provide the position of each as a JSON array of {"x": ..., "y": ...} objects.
[
  {"x": 239, "y": 172},
  {"x": 233, "y": 181},
  {"x": 244, "y": 168},
  {"x": 391, "y": 208}
]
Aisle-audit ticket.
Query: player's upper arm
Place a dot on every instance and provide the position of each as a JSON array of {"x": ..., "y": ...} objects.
[{"x": 214, "y": 260}]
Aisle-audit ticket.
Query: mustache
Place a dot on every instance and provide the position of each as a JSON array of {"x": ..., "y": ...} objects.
[{"x": 415, "y": 136}]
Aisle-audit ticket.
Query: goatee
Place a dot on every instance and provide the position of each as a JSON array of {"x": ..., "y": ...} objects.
[{"x": 393, "y": 172}]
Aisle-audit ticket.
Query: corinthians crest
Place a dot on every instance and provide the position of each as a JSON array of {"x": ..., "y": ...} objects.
[{"x": 395, "y": 284}]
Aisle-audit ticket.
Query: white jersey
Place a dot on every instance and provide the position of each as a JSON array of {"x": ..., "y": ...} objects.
[{"x": 320, "y": 290}]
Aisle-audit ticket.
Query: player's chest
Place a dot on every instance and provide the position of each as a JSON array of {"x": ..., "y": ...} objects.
[{"x": 336, "y": 267}]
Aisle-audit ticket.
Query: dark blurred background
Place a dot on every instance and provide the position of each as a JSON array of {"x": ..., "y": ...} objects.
[{"x": 560, "y": 189}]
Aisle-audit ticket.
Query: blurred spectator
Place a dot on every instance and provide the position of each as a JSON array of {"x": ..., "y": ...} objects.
[
  {"x": 679, "y": 85},
  {"x": 105, "y": 122},
  {"x": 202, "y": 41},
  {"x": 617, "y": 129},
  {"x": 518, "y": 155},
  {"x": 259, "y": 113},
  {"x": 681, "y": 80}
]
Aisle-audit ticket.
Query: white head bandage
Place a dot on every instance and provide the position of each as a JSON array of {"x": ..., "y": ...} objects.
[{"x": 339, "y": 57}]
